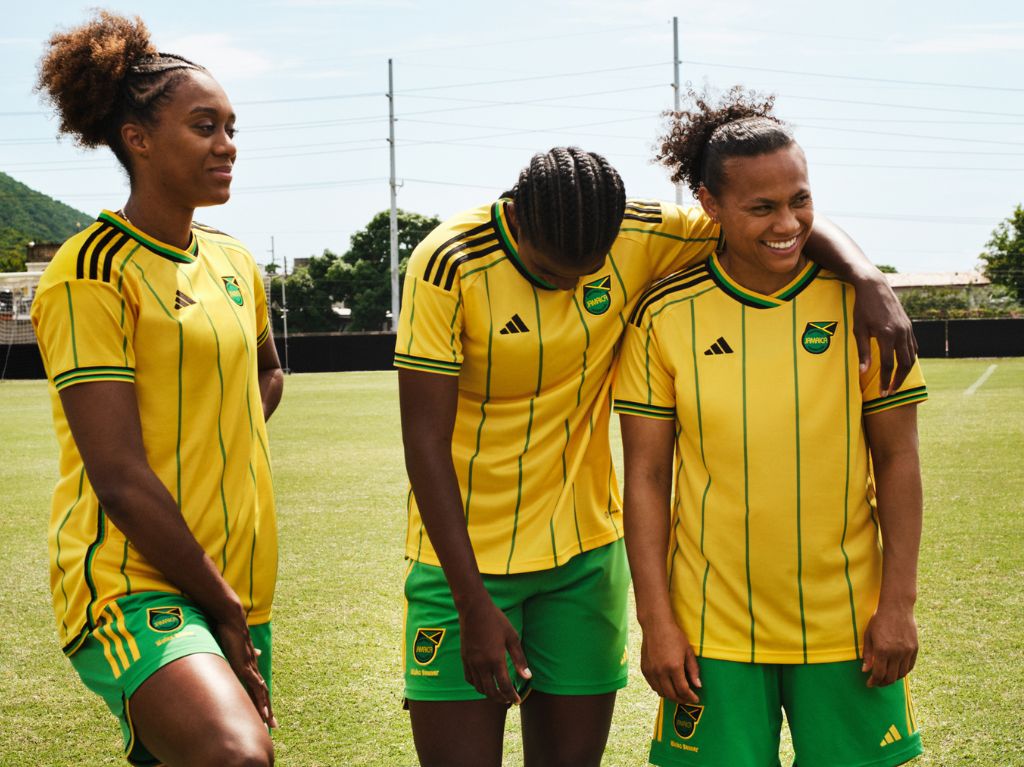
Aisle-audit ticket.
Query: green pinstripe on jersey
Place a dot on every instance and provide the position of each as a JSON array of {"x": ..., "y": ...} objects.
[
  {"x": 163, "y": 319},
  {"x": 71, "y": 325},
  {"x": 785, "y": 461},
  {"x": 707, "y": 486},
  {"x": 90, "y": 556},
  {"x": 847, "y": 409},
  {"x": 530, "y": 444},
  {"x": 746, "y": 486},
  {"x": 799, "y": 485}
]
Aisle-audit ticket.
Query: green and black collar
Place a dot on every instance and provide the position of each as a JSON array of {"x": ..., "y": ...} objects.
[
  {"x": 162, "y": 249},
  {"x": 758, "y": 300},
  {"x": 499, "y": 217}
]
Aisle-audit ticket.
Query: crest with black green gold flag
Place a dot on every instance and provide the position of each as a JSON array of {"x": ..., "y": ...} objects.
[
  {"x": 817, "y": 336},
  {"x": 597, "y": 295},
  {"x": 426, "y": 645},
  {"x": 686, "y": 718},
  {"x": 234, "y": 292}
]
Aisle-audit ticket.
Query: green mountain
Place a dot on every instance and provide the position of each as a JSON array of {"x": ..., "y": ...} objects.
[{"x": 30, "y": 216}]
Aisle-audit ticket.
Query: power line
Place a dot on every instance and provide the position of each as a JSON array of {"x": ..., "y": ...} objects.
[
  {"x": 332, "y": 97},
  {"x": 915, "y": 107},
  {"x": 559, "y": 103},
  {"x": 533, "y": 78},
  {"x": 526, "y": 130},
  {"x": 890, "y": 81},
  {"x": 915, "y": 135},
  {"x": 915, "y": 167},
  {"x": 492, "y": 43},
  {"x": 908, "y": 217},
  {"x": 845, "y": 118}
]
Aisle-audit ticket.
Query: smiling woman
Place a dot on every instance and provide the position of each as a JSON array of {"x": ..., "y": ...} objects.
[
  {"x": 155, "y": 337},
  {"x": 782, "y": 575}
]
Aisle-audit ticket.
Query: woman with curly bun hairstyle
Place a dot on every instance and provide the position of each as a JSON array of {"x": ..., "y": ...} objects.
[
  {"x": 154, "y": 333},
  {"x": 782, "y": 575}
]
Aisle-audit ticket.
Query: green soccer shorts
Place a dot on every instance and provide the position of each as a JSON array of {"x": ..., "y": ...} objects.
[
  {"x": 571, "y": 621},
  {"x": 835, "y": 719},
  {"x": 135, "y": 637}
]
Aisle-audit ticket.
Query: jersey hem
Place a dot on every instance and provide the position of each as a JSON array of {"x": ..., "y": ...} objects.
[
  {"x": 795, "y": 658},
  {"x": 413, "y": 553}
]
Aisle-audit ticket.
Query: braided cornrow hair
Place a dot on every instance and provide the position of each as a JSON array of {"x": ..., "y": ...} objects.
[
  {"x": 569, "y": 203},
  {"x": 701, "y": 139},
  {"x": 104, "y": 73}
]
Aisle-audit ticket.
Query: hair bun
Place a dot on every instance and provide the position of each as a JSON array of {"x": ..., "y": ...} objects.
[{"x": 84, "y": 68}]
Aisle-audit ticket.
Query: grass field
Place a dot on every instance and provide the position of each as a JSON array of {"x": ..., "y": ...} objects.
[{"x": 340, "y": 487}]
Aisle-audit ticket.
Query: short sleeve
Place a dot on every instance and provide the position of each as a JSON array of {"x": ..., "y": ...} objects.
[
  {"x": 429, "y": 334},
  {"x": 642, "y": 385},
  {"x": 912, "y": 390},
  {"x": 85, "y": 333},
  {"x": 683, "y": 237},
  {"x": 259, "y": 294}
]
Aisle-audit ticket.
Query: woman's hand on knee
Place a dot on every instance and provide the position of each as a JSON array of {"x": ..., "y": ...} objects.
[{"x": 233, "y": 638}]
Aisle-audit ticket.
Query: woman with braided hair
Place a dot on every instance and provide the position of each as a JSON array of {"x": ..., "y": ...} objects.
[
  {"x": 517, "y": 581},
  {"x": 782, "y": 575},
  {"x": 154, "y": 333}
]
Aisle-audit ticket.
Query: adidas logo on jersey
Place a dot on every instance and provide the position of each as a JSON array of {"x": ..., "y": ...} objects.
[
  {"x": 891, "y": 736},
  {"x": 181, "y": 300},
  {"x": 721, "y": 346},
  {"x": 514, "y": 325}
]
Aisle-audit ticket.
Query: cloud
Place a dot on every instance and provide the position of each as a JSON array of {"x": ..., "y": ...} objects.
[
  {"x": 981, "y": 38},
  {"x": 222, "y": 56}
]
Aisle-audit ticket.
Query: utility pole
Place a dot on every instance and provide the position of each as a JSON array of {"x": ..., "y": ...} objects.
[
  {"x": 284, "y": 300},
  {"x": 675, "y": 87},
  {"x": 394, "y": 201},
  {"x": 284, "y": 315}
]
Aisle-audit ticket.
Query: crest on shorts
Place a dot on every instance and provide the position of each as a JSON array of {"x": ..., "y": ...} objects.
[
  {"x": 818, "y": 336},
  {"x": 234, "y": 292},
  {"x": 685, "y": 719},
  {"x": 597, "y": 295},
  {"x": 426, "y": 644},
  {"x": 164, "y": 619}
]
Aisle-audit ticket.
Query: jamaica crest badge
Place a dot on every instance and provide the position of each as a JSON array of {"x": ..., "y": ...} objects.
[
  {"x": 164, "y": 619},
  {"x": 426, "y": 644},
  {"x": 233, "y": 290},
  {"x": 597, "y": 295},
  {"x": 817, "y": 336},
  {"x": 686, "y": 718}
]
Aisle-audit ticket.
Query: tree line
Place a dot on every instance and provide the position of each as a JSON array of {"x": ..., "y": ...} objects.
[{"x": 360, "y": 280}]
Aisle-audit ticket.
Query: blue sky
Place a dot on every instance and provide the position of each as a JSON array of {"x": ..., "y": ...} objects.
[{"x": 910, "y": 112}]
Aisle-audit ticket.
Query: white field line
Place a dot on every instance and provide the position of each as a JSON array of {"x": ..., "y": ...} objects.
[{"x": 981, "y": 380}]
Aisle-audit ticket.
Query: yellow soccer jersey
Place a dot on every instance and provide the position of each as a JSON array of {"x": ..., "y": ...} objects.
[
  {"x": 775, "y": 550},
  {"x": 184, "y": 327},
  {"x": 530, "y": 444}
]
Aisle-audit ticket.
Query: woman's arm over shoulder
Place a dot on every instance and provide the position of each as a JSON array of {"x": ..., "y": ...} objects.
[{"x": 877, "y": 312}]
